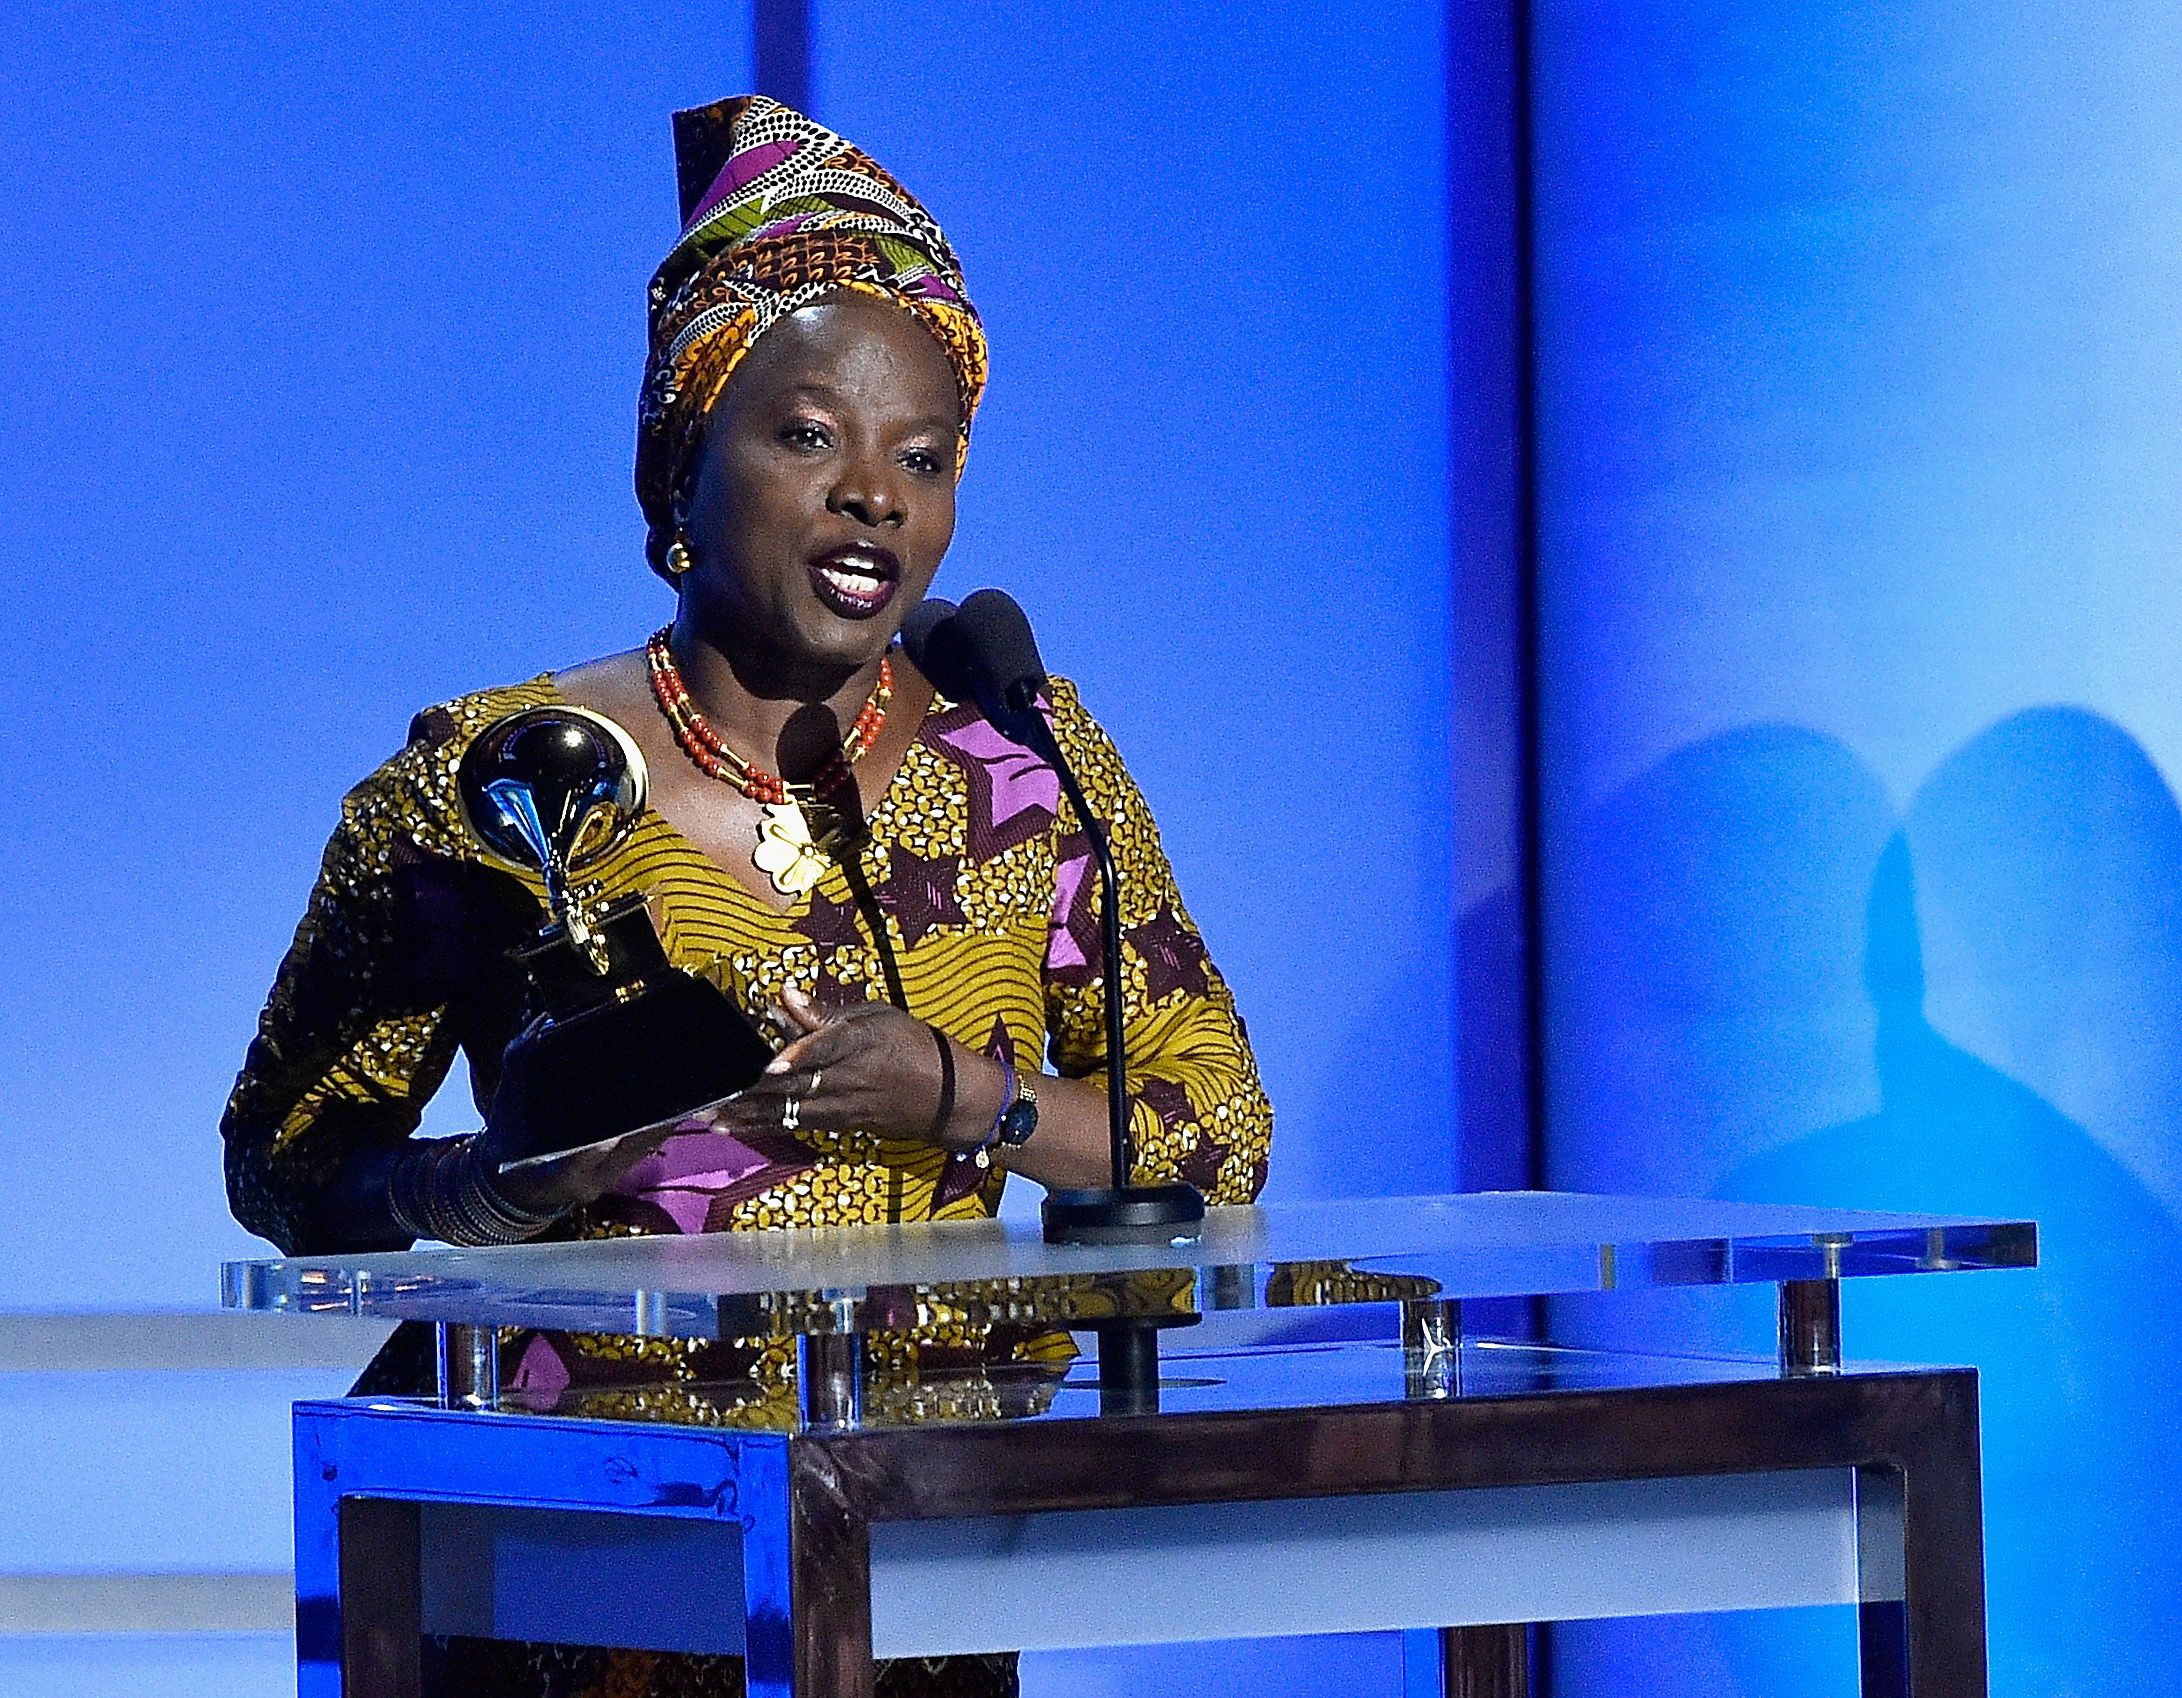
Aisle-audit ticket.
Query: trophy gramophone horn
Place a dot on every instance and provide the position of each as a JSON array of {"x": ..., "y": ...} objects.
[{"x": 553, "y": 789}]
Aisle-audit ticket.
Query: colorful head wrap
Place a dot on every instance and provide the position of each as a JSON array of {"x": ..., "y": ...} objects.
[{"x": 777, "y": 211}]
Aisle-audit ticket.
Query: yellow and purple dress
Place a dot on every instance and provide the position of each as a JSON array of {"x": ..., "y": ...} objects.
[{"x": 971, "y": 904}]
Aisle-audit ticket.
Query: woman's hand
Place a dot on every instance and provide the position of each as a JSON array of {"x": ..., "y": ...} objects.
[
  {"x": 573, "y": 1177},
  {"x": 869, "y": 1068}
]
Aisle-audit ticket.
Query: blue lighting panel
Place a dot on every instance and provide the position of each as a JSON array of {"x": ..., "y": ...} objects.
[
  {"x": 1212, "y": 258},
  {"x": 1863, "y": 861},
  {"x": 318, "y": 361}
]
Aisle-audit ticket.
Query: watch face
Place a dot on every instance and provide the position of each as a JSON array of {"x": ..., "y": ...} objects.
[{"x": 1020, "y": 1121}]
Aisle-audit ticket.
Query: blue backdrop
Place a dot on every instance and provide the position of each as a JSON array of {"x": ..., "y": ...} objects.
[
  {"x": 1856, "y": 490},
  {"x": 1858, "y": 511},
  {"x": 319, "y": 338}
]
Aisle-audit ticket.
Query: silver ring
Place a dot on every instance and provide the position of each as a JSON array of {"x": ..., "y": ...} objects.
[
  {"x": 817, "y": 1073},
  {"x": 791, "y": 1115}
]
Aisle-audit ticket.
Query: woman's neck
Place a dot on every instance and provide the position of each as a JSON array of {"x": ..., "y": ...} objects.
[{"x": 785, "y": 712}]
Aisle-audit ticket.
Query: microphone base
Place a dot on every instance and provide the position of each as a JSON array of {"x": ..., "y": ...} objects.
[
  {"x": 1129, "y": 1362},
  {"x": 1133, "y": 1214}
]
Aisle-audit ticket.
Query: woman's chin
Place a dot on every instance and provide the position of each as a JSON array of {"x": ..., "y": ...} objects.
[{"x": 830, "y": 641}]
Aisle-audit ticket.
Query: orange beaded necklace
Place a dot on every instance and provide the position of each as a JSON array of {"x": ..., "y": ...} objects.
[
  {"x": 715, "y": 759},
  {"x": 788, "y": 851}
]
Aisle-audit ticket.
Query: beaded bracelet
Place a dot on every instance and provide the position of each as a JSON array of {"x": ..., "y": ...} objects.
[
  {"x": 982, "y": 1151},
  {"x": 439, "y": 1189}
]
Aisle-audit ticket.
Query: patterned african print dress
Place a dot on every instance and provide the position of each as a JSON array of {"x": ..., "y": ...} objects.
[{"x": 971, "y": 903}]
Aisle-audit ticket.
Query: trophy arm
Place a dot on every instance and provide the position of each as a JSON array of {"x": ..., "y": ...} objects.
[{"x": 518, "y": 805}]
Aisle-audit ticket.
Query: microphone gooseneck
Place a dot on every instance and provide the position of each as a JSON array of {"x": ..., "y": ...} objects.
[{"x": 983, "y": 653}]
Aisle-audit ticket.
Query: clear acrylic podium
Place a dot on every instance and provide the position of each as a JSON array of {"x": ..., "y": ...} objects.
[{"x": 1220, "y": 1467}]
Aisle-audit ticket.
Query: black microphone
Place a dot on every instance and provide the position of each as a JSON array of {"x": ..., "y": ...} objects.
[
  {"x": 923, "y": 618},
  {"x": 918, "y": 629},
  {"x": 1006, "y": 673},
  {"x": 983, "y": 653}
]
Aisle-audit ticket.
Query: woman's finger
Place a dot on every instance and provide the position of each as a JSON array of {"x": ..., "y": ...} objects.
[
  {"x": 807, "y": 1015},
  {"x": 711, "y": 1118},
  {"x": 835, "y": 1105},
  {"x": 821, "y": 1048},
  {"x": 790, "y": 1057},
  {"x": 800, "y": 1019},
  {"x": 838, "y": 1035}
]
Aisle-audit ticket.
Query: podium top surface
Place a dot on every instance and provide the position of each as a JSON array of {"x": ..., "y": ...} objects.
[{"x": 1273, "y": 1255}]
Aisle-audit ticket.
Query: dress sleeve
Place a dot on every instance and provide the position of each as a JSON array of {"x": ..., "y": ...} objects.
[
  {"x": 1199, "y": 1112},
  {"x": 347, "y": 1050}
]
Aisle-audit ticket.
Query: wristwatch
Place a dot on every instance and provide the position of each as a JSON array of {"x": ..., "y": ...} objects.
[{"x": 1020, "y": 1118}]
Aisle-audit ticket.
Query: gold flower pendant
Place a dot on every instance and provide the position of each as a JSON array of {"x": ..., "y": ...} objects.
[{"x": 787, "y": 853}]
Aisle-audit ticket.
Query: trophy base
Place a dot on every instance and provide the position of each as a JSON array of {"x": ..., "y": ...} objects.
[
  {"x": 1133, "y": 1214},
  {"x": 617, "y": 1053},
  {"x": 621, "y": 1147},
  {"x": 568, "y": 980}
]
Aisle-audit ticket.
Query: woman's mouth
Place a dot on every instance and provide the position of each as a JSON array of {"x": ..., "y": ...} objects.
[{"x": 856, "y": 582}]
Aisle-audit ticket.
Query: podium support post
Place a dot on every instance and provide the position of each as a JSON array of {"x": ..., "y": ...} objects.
[
  {"x": 1432, "y": 1347},
  {"x": 468, "y": 1364},
  {"x": 1810, "y": 1327}
]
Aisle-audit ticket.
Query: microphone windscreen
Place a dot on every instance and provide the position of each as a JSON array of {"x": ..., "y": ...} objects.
[
  {"x": 924, "y": 619},
  {"x": 937, "y": 646},
  {"x": 994, "y": 629}
]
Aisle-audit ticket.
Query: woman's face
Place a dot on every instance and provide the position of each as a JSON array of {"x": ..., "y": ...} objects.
[{"x": 824, "y": 497}]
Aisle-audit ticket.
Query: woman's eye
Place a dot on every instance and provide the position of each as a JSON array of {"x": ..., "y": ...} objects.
[
  {"x": 804, "y": 434},
  {"x": 922, "y": 461}
]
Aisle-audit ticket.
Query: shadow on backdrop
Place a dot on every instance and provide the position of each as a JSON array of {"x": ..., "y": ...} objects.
[{"x": 1732, "y": 1006}]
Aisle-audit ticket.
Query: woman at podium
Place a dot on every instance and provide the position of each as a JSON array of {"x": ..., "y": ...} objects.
[{"x": 868, "y": 866}]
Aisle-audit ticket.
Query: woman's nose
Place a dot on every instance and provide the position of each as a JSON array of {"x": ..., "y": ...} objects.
[{"x": 868, "y": 493}]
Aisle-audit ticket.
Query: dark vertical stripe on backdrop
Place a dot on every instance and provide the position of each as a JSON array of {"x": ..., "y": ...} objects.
[
  {"x": 781, "y": 33},
  {"x": 1492, "y": 509},
  {"x": 1530, "y": 740}
]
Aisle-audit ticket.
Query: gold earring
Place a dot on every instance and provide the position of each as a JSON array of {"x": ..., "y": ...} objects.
[{"x": 678, "y": 558}]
